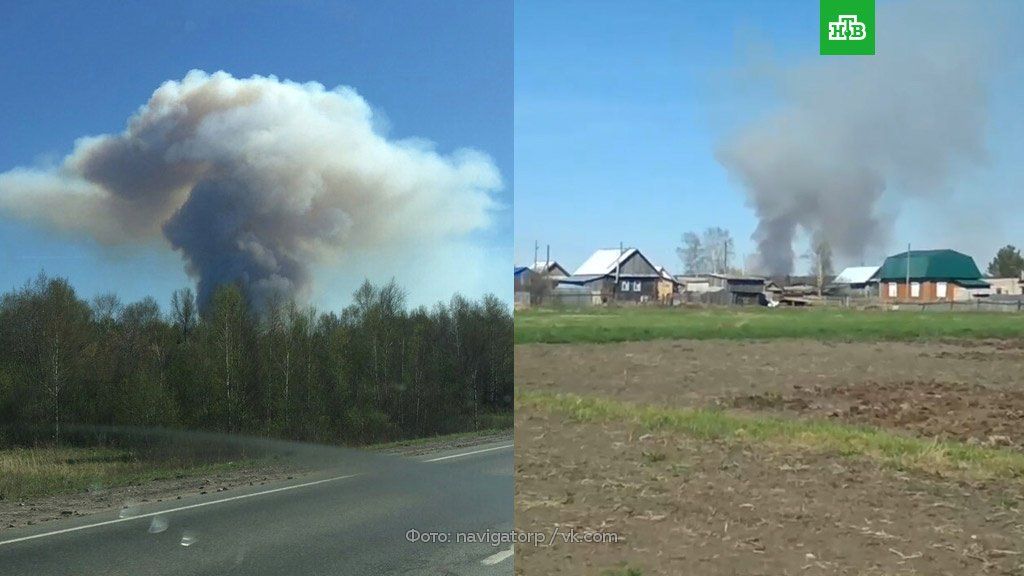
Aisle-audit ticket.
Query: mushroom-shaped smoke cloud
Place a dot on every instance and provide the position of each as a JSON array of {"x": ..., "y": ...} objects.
[{"x": 254, "y": 181}]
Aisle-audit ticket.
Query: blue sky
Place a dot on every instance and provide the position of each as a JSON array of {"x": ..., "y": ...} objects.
[
  {"x": 620, "y": 108},
  {"x": 435, "y": 70}
]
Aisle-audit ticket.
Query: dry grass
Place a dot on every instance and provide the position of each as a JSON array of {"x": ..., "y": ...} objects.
[
  {"x": 946, "y": 458},
  {"x": 34, "y": 472}
]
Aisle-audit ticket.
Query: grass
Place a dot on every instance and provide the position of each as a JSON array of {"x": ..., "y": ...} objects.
[
  {"x": 35, "y": 472},
  {"x": 841, "y": 324},
  {"x": 946, "y": 458},
  {"x": 442, "y": 437},
  {"x": 623, "y": 572},
  {"x": 45, "y": 471}
]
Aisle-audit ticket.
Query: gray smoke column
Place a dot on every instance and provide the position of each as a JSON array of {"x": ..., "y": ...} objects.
[
  {"x": 852, "y": 129},
  {"x": 254, "y": 181}
]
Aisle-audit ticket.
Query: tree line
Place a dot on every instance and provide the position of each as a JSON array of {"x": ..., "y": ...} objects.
[{"x": 374, "y": 371}]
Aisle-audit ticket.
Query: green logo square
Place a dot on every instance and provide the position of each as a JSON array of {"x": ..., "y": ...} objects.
[{"x": 847, "y": 27}]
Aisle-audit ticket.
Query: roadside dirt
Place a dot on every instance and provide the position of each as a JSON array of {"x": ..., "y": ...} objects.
[
  {"x": 15, "y": 514},
  {"x": 680, "y": 506},
  {"x": 420, "y": 447}
]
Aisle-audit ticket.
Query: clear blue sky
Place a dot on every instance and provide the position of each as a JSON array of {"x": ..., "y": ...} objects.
[
  {"x": 620, "y": 107},
  {"x": 436, "y": 70}
]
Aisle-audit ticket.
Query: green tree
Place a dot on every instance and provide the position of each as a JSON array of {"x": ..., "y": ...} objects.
[
  {"x": 227, "y": 322},
  {"x": 1008, "y": 263},
  {"x": 374, "y": 372}
]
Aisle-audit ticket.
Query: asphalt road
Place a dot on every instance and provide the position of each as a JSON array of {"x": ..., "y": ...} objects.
[{"x": 352, "y": 517}]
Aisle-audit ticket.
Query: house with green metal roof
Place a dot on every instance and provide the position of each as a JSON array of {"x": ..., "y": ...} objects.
[{"x": 930, "y": 276}]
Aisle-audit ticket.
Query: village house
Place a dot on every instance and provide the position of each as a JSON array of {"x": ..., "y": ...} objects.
[
  {"x": 854, "y": 281},
  {"x": 934, "y": 276},
  {"x": 550, "y": 268},
  {"x": 522, "y": 279},
  {"x": 624, "y": 275},
  {"x": 521, "y": 287}
]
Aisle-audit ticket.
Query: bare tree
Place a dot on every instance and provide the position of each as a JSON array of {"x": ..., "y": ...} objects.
[
  {"x": 691, "y": 253},
  {"x": 106, "y": 307},
  {"x": 710, "y": 252},
  {"x": 540, "y": 287},
  {"x": 820, "y": 256},
  {"x": 718, "y": 249},
  {"x": 184, "y": 311}
]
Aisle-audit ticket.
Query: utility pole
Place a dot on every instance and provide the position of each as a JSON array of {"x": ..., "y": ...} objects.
[
  {"x": 908, "y": 270},
  {"x": 820, "y": 274},
  {"x": 536, "y": 247},
  {"x": 618, "y": 261},
  {"x": 547, "y": 258}
]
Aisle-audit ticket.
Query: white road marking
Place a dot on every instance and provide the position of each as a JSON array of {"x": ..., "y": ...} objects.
[
  {"x": 495, "y": 558},
  {"x": 173, "y": 510},
  {"x": 469, "y": 453}
]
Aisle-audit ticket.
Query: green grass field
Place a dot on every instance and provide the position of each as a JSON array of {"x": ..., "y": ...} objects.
[{"x": 635, "y": 324}]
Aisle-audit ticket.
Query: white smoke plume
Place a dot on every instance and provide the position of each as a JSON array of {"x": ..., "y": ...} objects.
[
  {"x": 256, "y": 180},
  {"x": 855, "y": 128}
]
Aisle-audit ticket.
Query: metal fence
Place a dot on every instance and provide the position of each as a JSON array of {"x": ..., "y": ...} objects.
[
  {"x": 714, "y": 299},
  {"x": 977, "y": 305},
  {"x": 974, "y": 305},
  {"x": 558, "y": 299}
]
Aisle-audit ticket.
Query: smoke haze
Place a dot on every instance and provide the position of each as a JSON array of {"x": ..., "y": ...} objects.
[
  {"x": 905, "y": 122},
  {"x": 256, "y": 180}
]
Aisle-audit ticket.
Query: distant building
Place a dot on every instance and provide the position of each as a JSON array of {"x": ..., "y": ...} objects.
[
  {"x": 521, "y": 292},
  {"x": 620, "y": 275},
  {"x": 739, "y": 289},
  {"x": 693, "y": 284},
  {"x": 522, "y": 278},
  {"x": 667, "y": 286},
  {"x": 935, "y": 276},
  {"x": 1006, "y": 286},
  {"x": 551, "y": 268},
  {"x": 550, "y": 271},
  {"x": 854, "y": 281},
  {"x": 727, "y": 289}
]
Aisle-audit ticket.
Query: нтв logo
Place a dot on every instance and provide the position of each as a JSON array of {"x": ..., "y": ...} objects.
[{"x": 847, "y": 27}]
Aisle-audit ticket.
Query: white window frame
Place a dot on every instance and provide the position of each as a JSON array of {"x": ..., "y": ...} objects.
[
  {"x": 625, "y": 286},
  {"x": 941, "y": 289},
  {"x": 915, "y": 289},
  {"x": 894, "y": 290},
  {"x": 637, "y": 286}
]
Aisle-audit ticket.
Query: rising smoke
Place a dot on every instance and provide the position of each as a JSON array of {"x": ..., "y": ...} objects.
[
  {"x": 256, "y": 180},
  {"x": 854, "y": 129}
]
